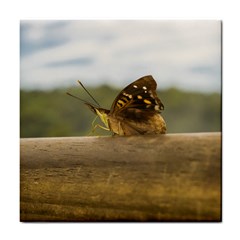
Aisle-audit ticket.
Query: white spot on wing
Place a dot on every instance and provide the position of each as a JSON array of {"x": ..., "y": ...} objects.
[
  {"x": 144, "y": 87},
  {"x": 151, "y": 94},
  {"x": 127, "y": 95},
  {"x": 135, "y": 86}
]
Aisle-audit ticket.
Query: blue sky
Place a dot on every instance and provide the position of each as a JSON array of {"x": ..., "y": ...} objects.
[{"x": 183, "y": 54}]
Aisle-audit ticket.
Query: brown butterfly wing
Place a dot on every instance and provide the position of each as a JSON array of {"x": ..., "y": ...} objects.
[
  {"x": 149, "y": 125},
  {"x": 140, "y": 94},
  {"x": 136, "y": 110}
]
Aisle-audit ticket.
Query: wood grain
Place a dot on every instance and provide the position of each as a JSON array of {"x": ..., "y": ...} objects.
[{"x": 173, "y": 177}]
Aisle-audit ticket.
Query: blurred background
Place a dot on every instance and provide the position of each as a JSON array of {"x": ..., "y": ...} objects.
[{"x": 184, "y": 57}]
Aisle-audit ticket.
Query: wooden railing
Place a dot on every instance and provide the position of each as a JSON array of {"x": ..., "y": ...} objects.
[{"x": 172, "y": 177}]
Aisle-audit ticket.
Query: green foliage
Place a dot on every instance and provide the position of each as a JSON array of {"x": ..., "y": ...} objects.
[
  {"x": 53, "y": 113},
  {"x": 191, "y": 112}
]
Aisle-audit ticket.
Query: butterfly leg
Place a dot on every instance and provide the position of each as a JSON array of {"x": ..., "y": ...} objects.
[
  {"x": 96, "y": 126},
  {"x": 94, "y": 120},
  {"x": 100, "y": 126}
]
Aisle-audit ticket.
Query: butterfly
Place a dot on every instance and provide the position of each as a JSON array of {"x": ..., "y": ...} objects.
[{"x": 136, "y": 110}]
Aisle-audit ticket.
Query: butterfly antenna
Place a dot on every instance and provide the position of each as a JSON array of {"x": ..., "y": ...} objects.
[
  {"x": 75, "y": 97},
  {"x": 89, "y": 93}
]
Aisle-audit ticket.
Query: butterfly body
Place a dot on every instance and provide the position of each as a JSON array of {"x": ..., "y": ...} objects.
[{"x": 136, "y": 110}]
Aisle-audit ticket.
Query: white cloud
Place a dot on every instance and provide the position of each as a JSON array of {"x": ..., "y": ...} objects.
[{"x": 174, "y": 52}]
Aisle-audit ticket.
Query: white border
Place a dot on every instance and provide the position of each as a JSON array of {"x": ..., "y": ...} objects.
[{"x": 13, "y": 11}]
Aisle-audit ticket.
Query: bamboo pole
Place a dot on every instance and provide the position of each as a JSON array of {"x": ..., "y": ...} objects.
[{"x": 172, "y": 177}]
